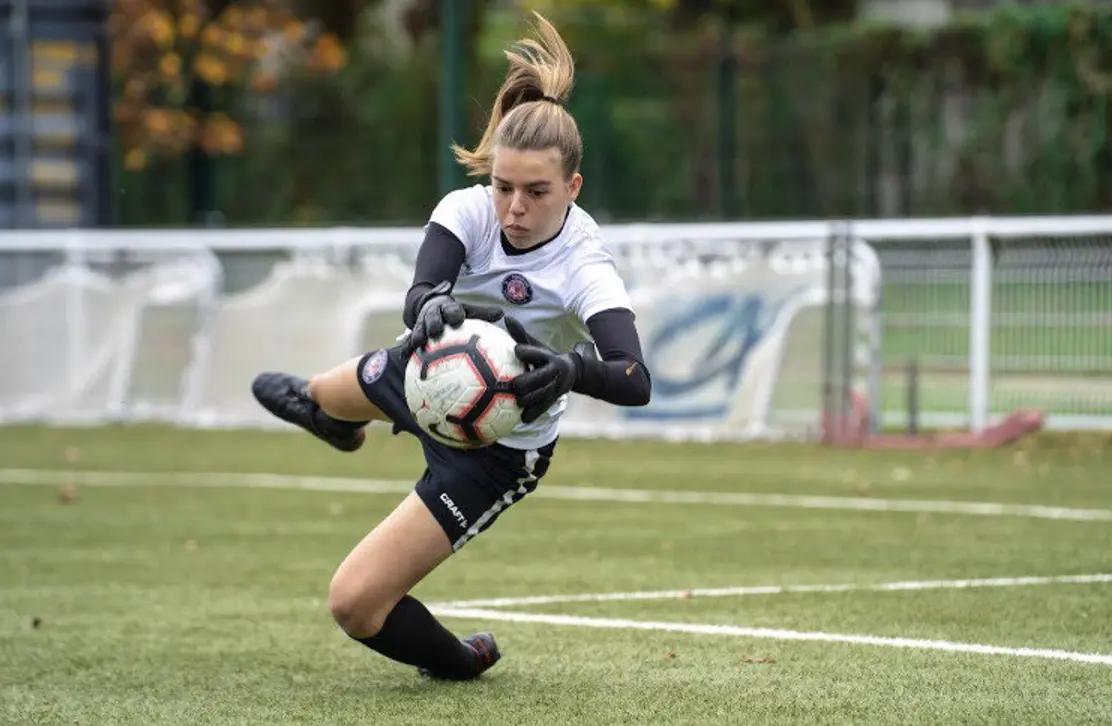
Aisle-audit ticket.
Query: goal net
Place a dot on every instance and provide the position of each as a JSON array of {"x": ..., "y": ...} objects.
[{"x": 735, "y": 321}]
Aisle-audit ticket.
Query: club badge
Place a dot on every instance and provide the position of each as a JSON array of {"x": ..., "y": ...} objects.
[
  {"x": 373, "y": 366},
  {"x": 516, "y": 289}
]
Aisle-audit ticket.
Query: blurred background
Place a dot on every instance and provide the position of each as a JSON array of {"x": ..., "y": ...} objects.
[
  {"x": 277, "y": 113},
  {"x": 228, "y": 119}
]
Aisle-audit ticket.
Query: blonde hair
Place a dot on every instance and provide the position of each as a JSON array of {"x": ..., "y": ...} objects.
[{"x": 528, "y": 112}]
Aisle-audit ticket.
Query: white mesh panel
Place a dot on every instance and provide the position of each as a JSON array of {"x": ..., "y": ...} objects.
[
  {"x": 62, "y": 340},
  {"x": 79, "y": 345},
  {"x": 80, "y": 342},
  {"x": 715, "y": 322},
  {"x": 306, "y": 318},
  {"x": 177, "y": 299}
]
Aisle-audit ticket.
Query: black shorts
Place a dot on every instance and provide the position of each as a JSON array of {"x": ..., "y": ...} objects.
[{"x": 465, "y": 489}]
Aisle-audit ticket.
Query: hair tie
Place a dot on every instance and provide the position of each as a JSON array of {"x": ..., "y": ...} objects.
[{"x": 550, "y": 99}]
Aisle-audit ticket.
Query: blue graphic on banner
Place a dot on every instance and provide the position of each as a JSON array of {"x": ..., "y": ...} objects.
[{"x": 698, "y": 350}]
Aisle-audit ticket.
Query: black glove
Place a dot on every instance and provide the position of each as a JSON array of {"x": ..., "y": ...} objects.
[
  {"x": 548, "y": 374},
  {"x": 438, "y": 308}
]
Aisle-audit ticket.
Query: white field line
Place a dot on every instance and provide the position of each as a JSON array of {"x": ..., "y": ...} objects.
[
  {"x": 805, "y": 501},
  {"x": 778, "y": 590},
  {"x": 380, "y": 486},
  {"x": 550, "y": 491},
  {"x": 60, "y": 477},
  {"x": 769, "y": 633}
]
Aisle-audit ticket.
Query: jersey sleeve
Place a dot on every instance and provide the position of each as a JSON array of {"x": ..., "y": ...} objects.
[
  {"x": 438, "y": 260},
  {"x": 466, "y": 213},
  {"x": 595, "y": 286}
]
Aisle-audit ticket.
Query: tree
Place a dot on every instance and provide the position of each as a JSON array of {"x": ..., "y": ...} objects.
[{"x": 172, "y": 59}]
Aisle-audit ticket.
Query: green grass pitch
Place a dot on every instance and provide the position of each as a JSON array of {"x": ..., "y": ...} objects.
[{"x": 153, "y": 600}]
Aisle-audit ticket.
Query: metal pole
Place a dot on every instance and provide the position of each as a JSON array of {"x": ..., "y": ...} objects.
[
  {"x": 452, "y": 64},
  {"x": 103, "y": 213},
  {"x": 727, "y": 122},
  {"x": 20, "y": 31},
  {"x": 849, "y": 333},
  {"x": 913, "y": 396},
  {"x": 876, "y": 361},
  {"x": 980, "y": 326},
  {"x": 828, "y": 418},
  {"x": 76, "y": 321}
]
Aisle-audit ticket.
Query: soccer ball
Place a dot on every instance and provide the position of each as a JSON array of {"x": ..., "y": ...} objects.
[{"x": 458, "y": 385}]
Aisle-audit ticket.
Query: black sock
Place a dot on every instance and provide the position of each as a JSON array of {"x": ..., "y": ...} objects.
[
  {"x": 413, "y": 636},
  {"x": 319, "y": 412},
  {"x": 332, "y": 420}
]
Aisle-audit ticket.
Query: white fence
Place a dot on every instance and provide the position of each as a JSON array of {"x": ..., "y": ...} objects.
[{"x": 995, "y": 314}]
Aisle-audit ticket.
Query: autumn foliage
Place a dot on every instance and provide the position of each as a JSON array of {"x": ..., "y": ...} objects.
[{"x": 162, "y": 50}]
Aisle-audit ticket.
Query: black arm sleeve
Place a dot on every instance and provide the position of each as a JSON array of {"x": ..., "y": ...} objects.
[
  {"x": 440, "y": 258},
  {"x": 621, "y": 376}
]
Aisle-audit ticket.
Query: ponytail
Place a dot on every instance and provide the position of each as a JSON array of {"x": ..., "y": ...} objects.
[{"x": 529, "y": 111}]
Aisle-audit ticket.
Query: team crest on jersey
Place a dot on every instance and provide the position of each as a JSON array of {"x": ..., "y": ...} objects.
[
  {"x": 516, "y": 289},
  {"x": 374, "y": 366}
]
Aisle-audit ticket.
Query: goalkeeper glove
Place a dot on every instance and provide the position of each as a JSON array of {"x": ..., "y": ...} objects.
[
  {"x": 548, "y": 374},
  {"x": 438, "y": 308}
]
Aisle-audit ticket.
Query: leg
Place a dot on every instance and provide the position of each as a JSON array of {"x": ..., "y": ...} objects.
[
  {"x": 298, "y": 401},
  {"x": 339, "y": 395},
  {"x": 387, "y": 564},
  {"x": 460, "y": 495},
  {"x": 367, "y": 595},
  {"x": 369, "y": 601}
]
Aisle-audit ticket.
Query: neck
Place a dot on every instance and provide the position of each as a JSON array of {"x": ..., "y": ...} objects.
[{"x": 524, "y": 246}]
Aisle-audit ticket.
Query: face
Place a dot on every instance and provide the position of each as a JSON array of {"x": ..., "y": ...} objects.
[{"x": 531, "y": 195}]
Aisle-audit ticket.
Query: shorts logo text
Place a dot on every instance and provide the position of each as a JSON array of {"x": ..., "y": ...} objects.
[{"x": 454, "y": 510}]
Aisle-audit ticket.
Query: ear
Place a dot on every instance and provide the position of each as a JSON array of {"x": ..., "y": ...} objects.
[{"x": 574, "y": 185}]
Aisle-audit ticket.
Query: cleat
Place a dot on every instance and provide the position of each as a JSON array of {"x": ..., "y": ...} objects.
[
  {"x": 486, "y": 655},
  {"x": 485, "y": 649},
  {"x": 287, "y": 397}
]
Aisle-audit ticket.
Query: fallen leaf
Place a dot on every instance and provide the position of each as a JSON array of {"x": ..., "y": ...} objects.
[
  {"x": 761, "y": 660},
  {"x": 36, "y": 622},
  {"x": 67, "y": 493}
]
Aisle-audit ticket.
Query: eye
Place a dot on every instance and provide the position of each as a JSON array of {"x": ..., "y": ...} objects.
[
  {"x": 504, "y": 189},
  {"x": 538, "y": 193}
]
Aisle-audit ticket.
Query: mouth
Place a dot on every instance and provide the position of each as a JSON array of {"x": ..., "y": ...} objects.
[{"x": 516, "y": 229}]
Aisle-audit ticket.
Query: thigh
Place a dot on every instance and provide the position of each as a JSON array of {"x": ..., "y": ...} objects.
[
  {"x": 468, "y": 489},
  {"x": 394, "y": 556},
  {"x": 338, "y": 392},
  {"x": 379, "y": 378}
]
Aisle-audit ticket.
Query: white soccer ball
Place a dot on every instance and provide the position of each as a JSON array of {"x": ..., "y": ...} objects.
[{"x": 458, "y": 385}]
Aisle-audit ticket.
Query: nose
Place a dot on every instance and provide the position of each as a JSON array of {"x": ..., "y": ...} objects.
[{"x": 517, "y": 204}]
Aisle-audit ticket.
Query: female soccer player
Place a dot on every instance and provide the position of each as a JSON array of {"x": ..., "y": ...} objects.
[{"x": 521, "y": 246}]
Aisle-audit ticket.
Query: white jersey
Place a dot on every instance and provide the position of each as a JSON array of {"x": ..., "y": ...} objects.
[{"x": 552, "y": 290}]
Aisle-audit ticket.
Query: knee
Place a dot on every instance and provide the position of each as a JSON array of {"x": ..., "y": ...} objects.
[{"x": 357, "y": 614}]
